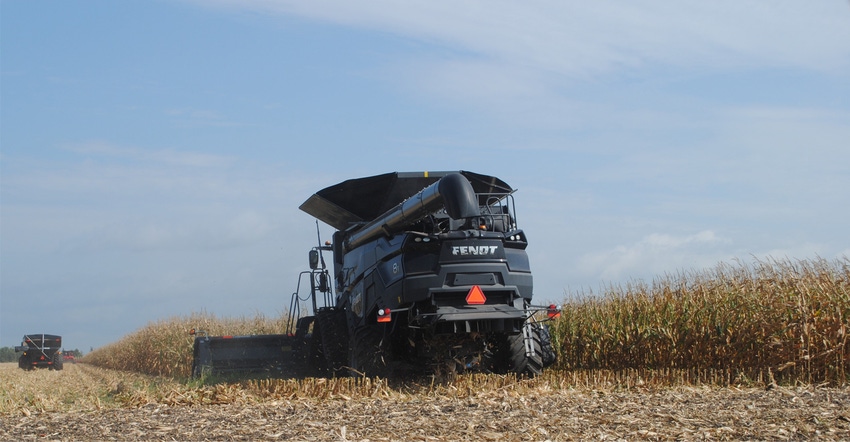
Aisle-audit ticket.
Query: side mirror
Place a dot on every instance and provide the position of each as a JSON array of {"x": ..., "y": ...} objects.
[
  {"x": 314, "y": 259},
  {"x": 21, "y": 348}
]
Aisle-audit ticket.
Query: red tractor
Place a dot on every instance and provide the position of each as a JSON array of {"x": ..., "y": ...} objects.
[{"x": 68, "y": 356}]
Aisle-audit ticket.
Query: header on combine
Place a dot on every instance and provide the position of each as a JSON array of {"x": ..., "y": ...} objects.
[{"x": 430, "y": 274}]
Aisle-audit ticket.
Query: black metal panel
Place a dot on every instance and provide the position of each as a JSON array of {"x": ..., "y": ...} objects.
[
  {"x": 242, "y": 354},
  {"x": 43, "y": 341}
]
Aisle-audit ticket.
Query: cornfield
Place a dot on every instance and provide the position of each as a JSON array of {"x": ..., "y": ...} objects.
[
  {"x": 164, "y": 348},
  {"x": 648, "y": 361},
  {"x": 778, "y": 320},
  {"x": 771, "y": 321}
]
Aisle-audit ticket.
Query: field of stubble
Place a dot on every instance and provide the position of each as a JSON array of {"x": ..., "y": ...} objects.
[{"x": 84, "y": 402}]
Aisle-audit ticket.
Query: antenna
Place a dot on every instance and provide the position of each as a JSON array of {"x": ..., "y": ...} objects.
[{"x": 320, "y": 248}]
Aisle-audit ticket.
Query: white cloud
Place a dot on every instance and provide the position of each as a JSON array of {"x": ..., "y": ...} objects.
[
  {"x": 138, "y": 234},
  {"x": 204, "y": 229},
  {"x": 201, "y": 118},
  {"x": 102, "y": 149},
  {"x": 573, "y": 65},
  {"x": 134, "y": 199},
  {"x": 655, "y": 254},
  {"x": 588, "y": 38}
]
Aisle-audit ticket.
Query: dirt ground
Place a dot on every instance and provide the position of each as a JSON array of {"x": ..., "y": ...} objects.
[{"x": 87, "y": 403}]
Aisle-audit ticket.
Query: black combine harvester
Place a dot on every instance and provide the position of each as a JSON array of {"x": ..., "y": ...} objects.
[
  {"x": 40, "y": 351},
  {"x": 430, "y": 276}
]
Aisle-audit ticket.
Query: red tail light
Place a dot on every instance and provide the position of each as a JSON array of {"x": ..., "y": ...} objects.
[
  {"x": 385, "y": 315},
  {"x": 553, "y": 311}
]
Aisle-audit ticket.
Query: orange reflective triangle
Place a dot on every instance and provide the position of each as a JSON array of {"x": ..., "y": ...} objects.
[{"x": 475, "y": 296}]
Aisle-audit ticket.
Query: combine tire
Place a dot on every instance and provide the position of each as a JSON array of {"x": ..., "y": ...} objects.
[
  {"x": 369, "y": 353},
  {"x": 334, "y": 334},
  {"x": 316, "y": 363},
  {"x": 513, "y": 358},
  {"x": 307, "y": 352}
]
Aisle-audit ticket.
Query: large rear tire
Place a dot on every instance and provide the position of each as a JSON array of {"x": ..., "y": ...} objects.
[
  {"x": 307, "y": 351},
  {"x": 334, "y": 333},
  {"x": 513, "y": 357},
  {"x": 369, "y": 353},
  {"x": 58, "y": 361}
]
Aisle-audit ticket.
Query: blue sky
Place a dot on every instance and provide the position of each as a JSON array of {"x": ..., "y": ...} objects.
[{"x": 153, "y": 154}]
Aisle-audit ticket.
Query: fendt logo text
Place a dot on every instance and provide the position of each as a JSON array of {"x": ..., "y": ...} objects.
[{"x": 474, "y": 250}]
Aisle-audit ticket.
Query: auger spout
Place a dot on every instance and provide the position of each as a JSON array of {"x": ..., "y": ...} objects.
[{"x": 452, "y": 192}]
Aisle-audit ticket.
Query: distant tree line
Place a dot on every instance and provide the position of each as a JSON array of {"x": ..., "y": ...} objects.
[{"x": 8, "y": 354}]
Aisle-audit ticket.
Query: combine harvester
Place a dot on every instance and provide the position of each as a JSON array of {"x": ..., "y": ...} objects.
[{"x": 430, "y": 275}]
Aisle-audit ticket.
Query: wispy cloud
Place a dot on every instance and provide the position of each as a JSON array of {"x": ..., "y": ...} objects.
[
  {"x": 591, "y": 38},
  {"x": 656, "y": 254},
  {"x": 180, "y": 231},
  {"x": 553, "y": 65},
  {"x": 102, "y": 149},
  {"x": 119, "y": 198},
  {"x": 189, "y": 117}
]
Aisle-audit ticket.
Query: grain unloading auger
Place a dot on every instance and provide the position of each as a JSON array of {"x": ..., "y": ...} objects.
[{"x": 430, "y": 275}]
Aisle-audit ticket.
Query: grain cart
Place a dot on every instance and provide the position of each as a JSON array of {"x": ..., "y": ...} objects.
[
  {"x": 430, "y": 275},
  {"x": 40, "y": 350}
]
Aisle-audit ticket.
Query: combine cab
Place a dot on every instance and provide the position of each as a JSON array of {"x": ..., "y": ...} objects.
[
  {"x": 430, "y": 275},
  {"x": 39, "y": 351}
]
